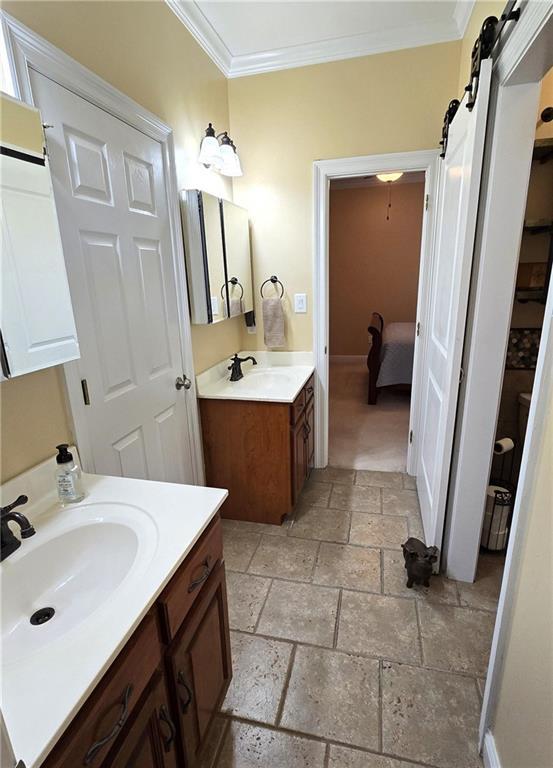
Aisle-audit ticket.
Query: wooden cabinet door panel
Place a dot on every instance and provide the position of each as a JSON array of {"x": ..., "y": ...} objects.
[
  {"x": 299, "y": 457},
  {"x": 151, "y": 739},
  {"x": 200, "y": 664},
  {"x": 310, "y": 424}
]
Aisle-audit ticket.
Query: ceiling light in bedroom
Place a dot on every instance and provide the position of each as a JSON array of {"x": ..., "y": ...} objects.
[{"x": 389, "y": 176}]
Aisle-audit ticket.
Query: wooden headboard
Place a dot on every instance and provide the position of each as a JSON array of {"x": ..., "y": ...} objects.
[{"x": 375, "y": 330}]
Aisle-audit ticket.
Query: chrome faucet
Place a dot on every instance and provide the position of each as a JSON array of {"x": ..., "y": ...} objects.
[
  {"x": 8, "y": 540},
  {"x": 236, "y": 367}
]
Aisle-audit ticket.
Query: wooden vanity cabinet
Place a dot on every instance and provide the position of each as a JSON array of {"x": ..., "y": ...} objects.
[
  {"x": 154, "y": 706},
  {"x": 262, "y": 452}
]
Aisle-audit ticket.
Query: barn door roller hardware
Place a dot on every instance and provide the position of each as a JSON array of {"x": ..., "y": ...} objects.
[
  {"x": 450, "y": 113},
  {"x": 490, "y": 33}
]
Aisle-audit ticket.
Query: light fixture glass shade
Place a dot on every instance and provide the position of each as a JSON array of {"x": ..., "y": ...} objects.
[
  {"x": 389, "y": 176},
  {"x": 210, "y": 152},
  {"x": 231, "y": 163}
]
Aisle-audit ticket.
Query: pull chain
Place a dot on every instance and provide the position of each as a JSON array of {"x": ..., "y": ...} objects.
[{"x": 389, "y": 201}]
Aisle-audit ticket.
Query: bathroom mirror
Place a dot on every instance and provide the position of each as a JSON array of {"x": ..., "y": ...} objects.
[
  {"x": 236, "y": 230},
  {"x": 218, "y": 260},
  {"x": 205, "y": 264}
]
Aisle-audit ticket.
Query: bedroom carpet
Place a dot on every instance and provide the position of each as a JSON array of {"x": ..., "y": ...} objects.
[{"x": 363, "y": 436}]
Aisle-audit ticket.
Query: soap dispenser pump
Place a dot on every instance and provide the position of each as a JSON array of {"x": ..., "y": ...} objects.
[{"x": 68, "y": 476}]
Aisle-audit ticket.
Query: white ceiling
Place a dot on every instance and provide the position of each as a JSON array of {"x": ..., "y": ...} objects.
[{"x": 249, "y": 37}]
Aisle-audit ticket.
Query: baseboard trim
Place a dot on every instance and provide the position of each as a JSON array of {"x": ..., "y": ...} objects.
[
  {"x": 489, "y": 752},
  {"x": 346, "y": 358}
]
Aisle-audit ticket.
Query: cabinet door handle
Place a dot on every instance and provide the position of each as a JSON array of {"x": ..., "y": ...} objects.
[
  {"x": 97, "y": 746},
  {"x": 184, "y": 703},
  {"x": 200, "y": 580},
  {"x": 164, "y": 718}
]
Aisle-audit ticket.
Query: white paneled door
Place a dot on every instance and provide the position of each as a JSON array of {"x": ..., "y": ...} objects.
[
  {"x": 110, "y": 194},
  {"x": 459, "y": 189}
]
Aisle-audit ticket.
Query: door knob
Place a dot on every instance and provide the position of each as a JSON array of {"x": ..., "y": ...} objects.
[{"x": 183, "y": 382}]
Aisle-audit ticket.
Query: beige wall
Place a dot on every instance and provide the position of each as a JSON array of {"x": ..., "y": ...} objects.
[
  {"x": 20, "y": 125},
  {"x": 142, "y": 49},
  {"x": 283, "y": 121},
  {"x": 374, "y": 263},
  {"x": 545, "y": 130},
  {"x": 522, "y": 722}
]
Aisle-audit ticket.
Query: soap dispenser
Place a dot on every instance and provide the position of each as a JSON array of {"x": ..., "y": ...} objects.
[{"x": 68, "y": 476}]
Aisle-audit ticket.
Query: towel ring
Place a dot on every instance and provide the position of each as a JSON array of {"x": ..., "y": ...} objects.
[
  {"x": 274, "y": 280},
  {"x": 234, "y": 281}
]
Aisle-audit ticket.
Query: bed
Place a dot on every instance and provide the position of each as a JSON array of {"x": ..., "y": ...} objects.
[{"x": 391, "y": 352}]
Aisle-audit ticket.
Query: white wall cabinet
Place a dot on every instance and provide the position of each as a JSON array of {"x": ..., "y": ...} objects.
[{"x": 36, "y": 315}]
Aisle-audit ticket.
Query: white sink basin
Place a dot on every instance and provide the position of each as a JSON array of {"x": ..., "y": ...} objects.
[
  {"x": 272, "y": 383},
  {"x": 73, "y": 565}
]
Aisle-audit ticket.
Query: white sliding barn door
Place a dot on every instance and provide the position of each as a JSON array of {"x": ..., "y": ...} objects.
[
  {"x": 459, "y": 189},
  {"x": 110, "y": 191}
]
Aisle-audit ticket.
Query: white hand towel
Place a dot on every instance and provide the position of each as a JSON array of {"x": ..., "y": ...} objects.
[
  {"x": 273, "y": 323},
  {"x": 235, "y": 307}
]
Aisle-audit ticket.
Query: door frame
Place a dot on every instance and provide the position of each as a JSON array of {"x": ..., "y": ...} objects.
[
  {"x": 26, "y": 50},
  {"x": 323, "y": 172}
]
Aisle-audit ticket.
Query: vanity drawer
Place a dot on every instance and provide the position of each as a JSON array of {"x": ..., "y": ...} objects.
[
  {"x": 112, "y": 702},
  {"x": 296, "y": 409},
  {"x": 186, "y": 584}
]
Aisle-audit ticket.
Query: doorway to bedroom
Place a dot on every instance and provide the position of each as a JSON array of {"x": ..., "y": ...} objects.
[{"x": 375, "y": 232}]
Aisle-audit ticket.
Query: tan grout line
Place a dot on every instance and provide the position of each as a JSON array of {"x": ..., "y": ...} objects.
[
  {"x": 382, "y": 591},
  {"x": 326, "y": 759},
  {"x": 337, "y": 619},
  {"x": 280, "y": 708},
  {"x": 322, "y": 740},
  {"x": 314, "y": 566},
  {"x": 253, "y": 553},
  {"x": 419, "y": 633},
  {"x": 263, "y": 607}
]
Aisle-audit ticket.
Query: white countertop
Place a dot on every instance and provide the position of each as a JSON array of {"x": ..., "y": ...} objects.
[
  {"x": 277, "y": 378},
  {"x": 44, "y": 689}
]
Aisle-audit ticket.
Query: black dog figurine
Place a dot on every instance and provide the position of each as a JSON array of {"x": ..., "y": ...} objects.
[{"x": 418, "y": 561}]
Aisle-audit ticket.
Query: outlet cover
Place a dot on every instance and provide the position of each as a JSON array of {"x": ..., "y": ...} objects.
[{"x": 300, "y": 302}]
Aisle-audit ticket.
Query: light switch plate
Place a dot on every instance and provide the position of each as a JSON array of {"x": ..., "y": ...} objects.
[
  {"x": 214, "y": 305},
  {"x": 300, "y": 302}
]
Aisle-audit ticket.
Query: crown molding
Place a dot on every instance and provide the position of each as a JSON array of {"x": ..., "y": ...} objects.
[
  {"x": 191, "y": 16},
  {"x": 461, "y": 15},
  {"x": 319, "y": 52}
]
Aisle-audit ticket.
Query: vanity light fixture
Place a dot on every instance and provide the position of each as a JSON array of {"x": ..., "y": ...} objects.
[{"x": 218, "y": 151}]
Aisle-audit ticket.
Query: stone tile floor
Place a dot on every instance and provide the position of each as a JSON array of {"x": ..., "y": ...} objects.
[{"x": 336, "y": 663}]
